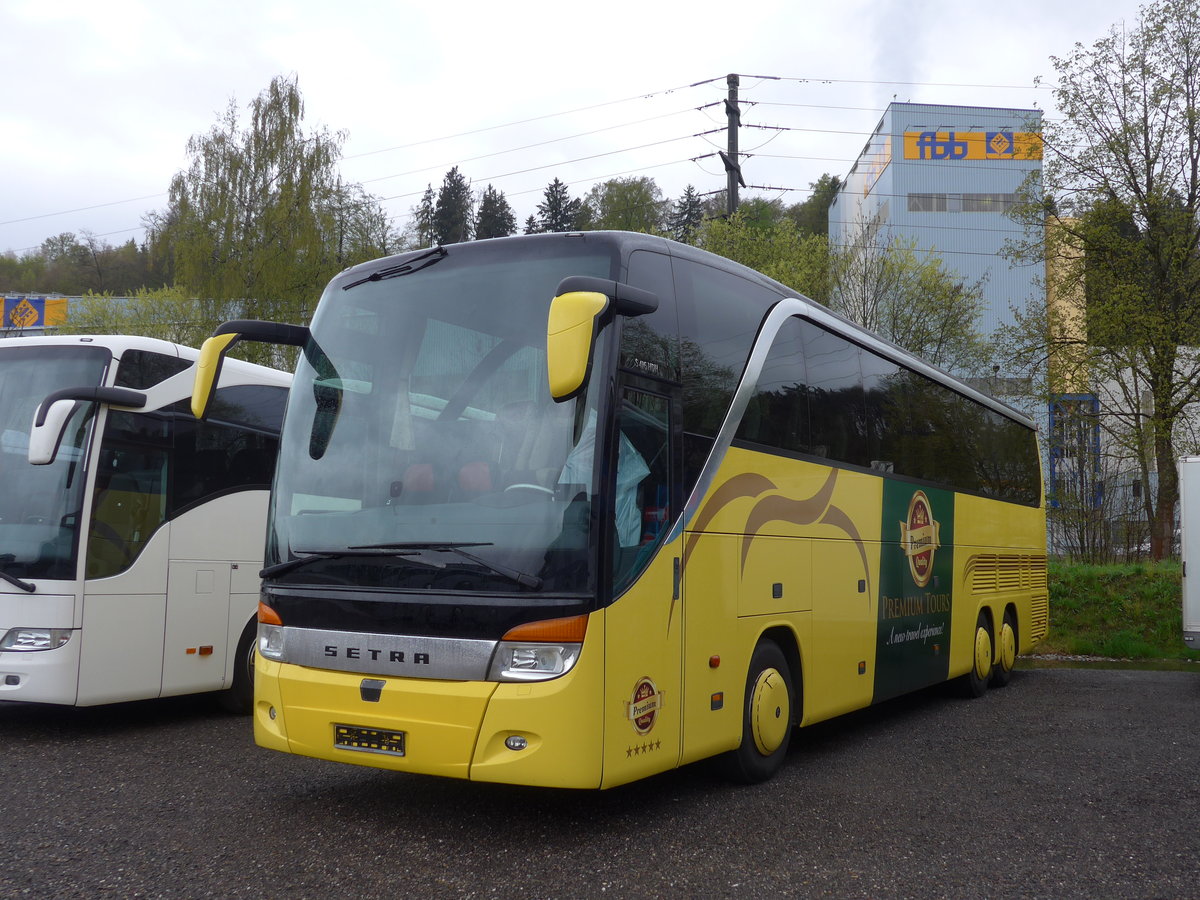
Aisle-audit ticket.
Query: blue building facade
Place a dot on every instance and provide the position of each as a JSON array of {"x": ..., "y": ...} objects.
[{"x": 943, "y": 178}]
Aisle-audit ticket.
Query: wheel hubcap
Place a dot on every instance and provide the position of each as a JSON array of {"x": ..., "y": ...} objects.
[
  {"x": 1008, "y": 647},
  {"x": 770, "y": 711},
  {"x": 983, "y": 653}
]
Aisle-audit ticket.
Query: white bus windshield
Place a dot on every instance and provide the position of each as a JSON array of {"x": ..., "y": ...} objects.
[
  {"x": 422, "y": 448},
  {"x": 40, "y": 505}
]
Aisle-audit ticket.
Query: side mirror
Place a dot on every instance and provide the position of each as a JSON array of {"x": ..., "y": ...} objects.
[
  {"x": 50, "y": 419},
  {"x": 576, "y": 312},
  {"x": 213, "y": 350}
]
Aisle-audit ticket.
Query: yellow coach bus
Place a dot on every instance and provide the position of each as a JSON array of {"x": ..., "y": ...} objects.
[{"x": 571, "y": 510}]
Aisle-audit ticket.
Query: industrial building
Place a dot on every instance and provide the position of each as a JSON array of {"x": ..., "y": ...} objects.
[{"x": 944, "y": 178}]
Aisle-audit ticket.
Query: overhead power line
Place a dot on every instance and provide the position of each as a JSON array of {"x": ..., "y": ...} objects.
[{"x": 752, "y": 84}]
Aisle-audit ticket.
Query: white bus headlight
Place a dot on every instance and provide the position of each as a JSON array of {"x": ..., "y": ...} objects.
[
  {"x": 532, "y": 662},
  {"x": 537, "y": 651},
  {"x": 30, "y": 639},
  {"x": 270, "y": 642}
]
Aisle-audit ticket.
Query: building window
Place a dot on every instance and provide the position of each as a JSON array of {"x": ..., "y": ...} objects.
[
  {"x": 988, "y": 203},
  {"x": 926, "y": 202},
  {"x": 968, "y": 203}
]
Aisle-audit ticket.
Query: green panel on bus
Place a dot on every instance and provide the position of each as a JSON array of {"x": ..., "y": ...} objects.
[{"x": 915, "y": 583}]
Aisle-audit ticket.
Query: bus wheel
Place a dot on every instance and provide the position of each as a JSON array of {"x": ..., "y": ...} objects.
[
  {"x": 767, "y": 717},
  {"x": 975, "y": 682},
  {"x": 1006, "y": 651},
  {"x": 239, "y": 697}
]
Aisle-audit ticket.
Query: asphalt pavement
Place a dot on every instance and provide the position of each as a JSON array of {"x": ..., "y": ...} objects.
[{"x": 1067, "y": 783}]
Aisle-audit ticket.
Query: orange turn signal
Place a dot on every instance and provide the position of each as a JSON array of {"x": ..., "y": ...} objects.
[
  {"x": 268, "y": 616},
  {"x": 567, "y": 631}
]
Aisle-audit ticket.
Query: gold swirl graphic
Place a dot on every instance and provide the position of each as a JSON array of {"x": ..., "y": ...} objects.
[
  {"x": 785, "y": 509},
  {"x": 737, "y": 487},
  {"x": 817, "y": 509}
]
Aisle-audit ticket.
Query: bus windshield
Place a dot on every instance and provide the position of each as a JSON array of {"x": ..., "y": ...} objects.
[
  {"x": 40, "y": 505},
  {"x": 421, "y": 448}
]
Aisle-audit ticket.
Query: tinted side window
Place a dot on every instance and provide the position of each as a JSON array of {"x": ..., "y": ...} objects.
[
  {"x": 777, "y": 414},
  {"x": 650, "y": 343},
  {"x": 130, "y": 499},
  {"x": 140, "y": 369},
  {"x": 234, "y": 449},
  {"x": 1007, "y": 460},
  {"x": 880, "y": 378},
  {"x": 719, "y": 316},
  {"x": 836, "y": 408}
]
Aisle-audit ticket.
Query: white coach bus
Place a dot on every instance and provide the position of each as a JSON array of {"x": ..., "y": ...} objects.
[{"x": 130, "y": 550}]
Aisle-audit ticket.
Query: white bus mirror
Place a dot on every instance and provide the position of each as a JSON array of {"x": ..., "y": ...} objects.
[{"x": 53, "y": 413}]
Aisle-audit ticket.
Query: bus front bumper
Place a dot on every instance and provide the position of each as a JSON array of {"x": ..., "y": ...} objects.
[{"x": 545, "y": 733}]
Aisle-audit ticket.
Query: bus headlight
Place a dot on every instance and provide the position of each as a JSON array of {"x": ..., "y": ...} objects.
[
  {"x": 30, "y": 639},
  {"x": 270, "y": 642},
  {"x": 538, "y": 651},
  {"x": 532, "y": 662}
]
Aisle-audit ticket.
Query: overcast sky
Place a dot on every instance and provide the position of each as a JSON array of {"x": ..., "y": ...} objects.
[{"x": 99, "y": 99}]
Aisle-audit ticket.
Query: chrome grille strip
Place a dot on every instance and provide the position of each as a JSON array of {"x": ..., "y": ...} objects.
[{"x": 451, "y": 659}]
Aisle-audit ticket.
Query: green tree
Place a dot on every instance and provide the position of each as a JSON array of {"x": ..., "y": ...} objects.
[
  {"x": 1123, "y": 172},
  {"x": 420, "y": 228},
  {"x": 778, "y": 250},
  {"x": 903, "y": 295},
  {"x": 257, "y": 220},
  {"x": 686, "y": 215},
  {"x": 761, "y": 212},
  {"x": 69, "y": 264},
  {"x": 910, "y": 298},
  {"x": 170, "y": 314},
  {"x": 812, "y": 215},
  {"x": 558, "y": 211},
  {"x": 495, "y": 217},
  {"x": 531, "y": 225},
  {"x": 626, "y": 204},
  {"x": 452, "y": 213}
]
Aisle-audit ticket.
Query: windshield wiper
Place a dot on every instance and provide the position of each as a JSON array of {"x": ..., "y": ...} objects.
[
  {"x": 7, "y": 558},
  {"x": 425, "y": 259},
  {"x": 530, "y": 581},
  {"x": 313, "y": 555}
]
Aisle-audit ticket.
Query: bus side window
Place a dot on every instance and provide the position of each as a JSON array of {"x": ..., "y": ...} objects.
[
  {"x": 836, "y": 407},
  {"x": 129, "y": 506},
  {"x": 777, "y": 415},
  {"x": 643, "y": 487}
]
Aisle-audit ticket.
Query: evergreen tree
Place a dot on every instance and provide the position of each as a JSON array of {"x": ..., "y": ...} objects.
[
  {"x": 531, "y": 225},
  {"x": 452, "y": 213},
  {"x": 495, "y": 218},
  {"x": 686, "y": 216},
  {"x": 422, "y": 218},
  {"x": 557, "y": 211}
]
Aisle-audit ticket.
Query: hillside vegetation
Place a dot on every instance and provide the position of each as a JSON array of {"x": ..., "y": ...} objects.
[{"x": 1130, "y": 611}]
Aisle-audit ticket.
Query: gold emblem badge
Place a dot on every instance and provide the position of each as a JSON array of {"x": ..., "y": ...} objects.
[
  {"x": 919, "y": 536},
  {"x": 642, "y": 708}
]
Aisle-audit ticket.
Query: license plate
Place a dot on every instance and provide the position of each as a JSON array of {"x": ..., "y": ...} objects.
[{"x": 368, "y": 740}]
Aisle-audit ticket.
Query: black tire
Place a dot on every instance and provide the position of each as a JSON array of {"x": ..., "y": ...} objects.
[
  {"x": 975, "y": 682},
  {"x": 768, "y": 717},
  {"x": 238, "y": 698},
  {"x": 1006, "y": 651}
]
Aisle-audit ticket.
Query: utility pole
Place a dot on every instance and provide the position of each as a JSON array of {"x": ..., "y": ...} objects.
[{"x": 733, "y": 169}]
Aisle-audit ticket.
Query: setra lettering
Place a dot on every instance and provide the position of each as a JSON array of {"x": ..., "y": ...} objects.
[{"x": 399, "y": 657}]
